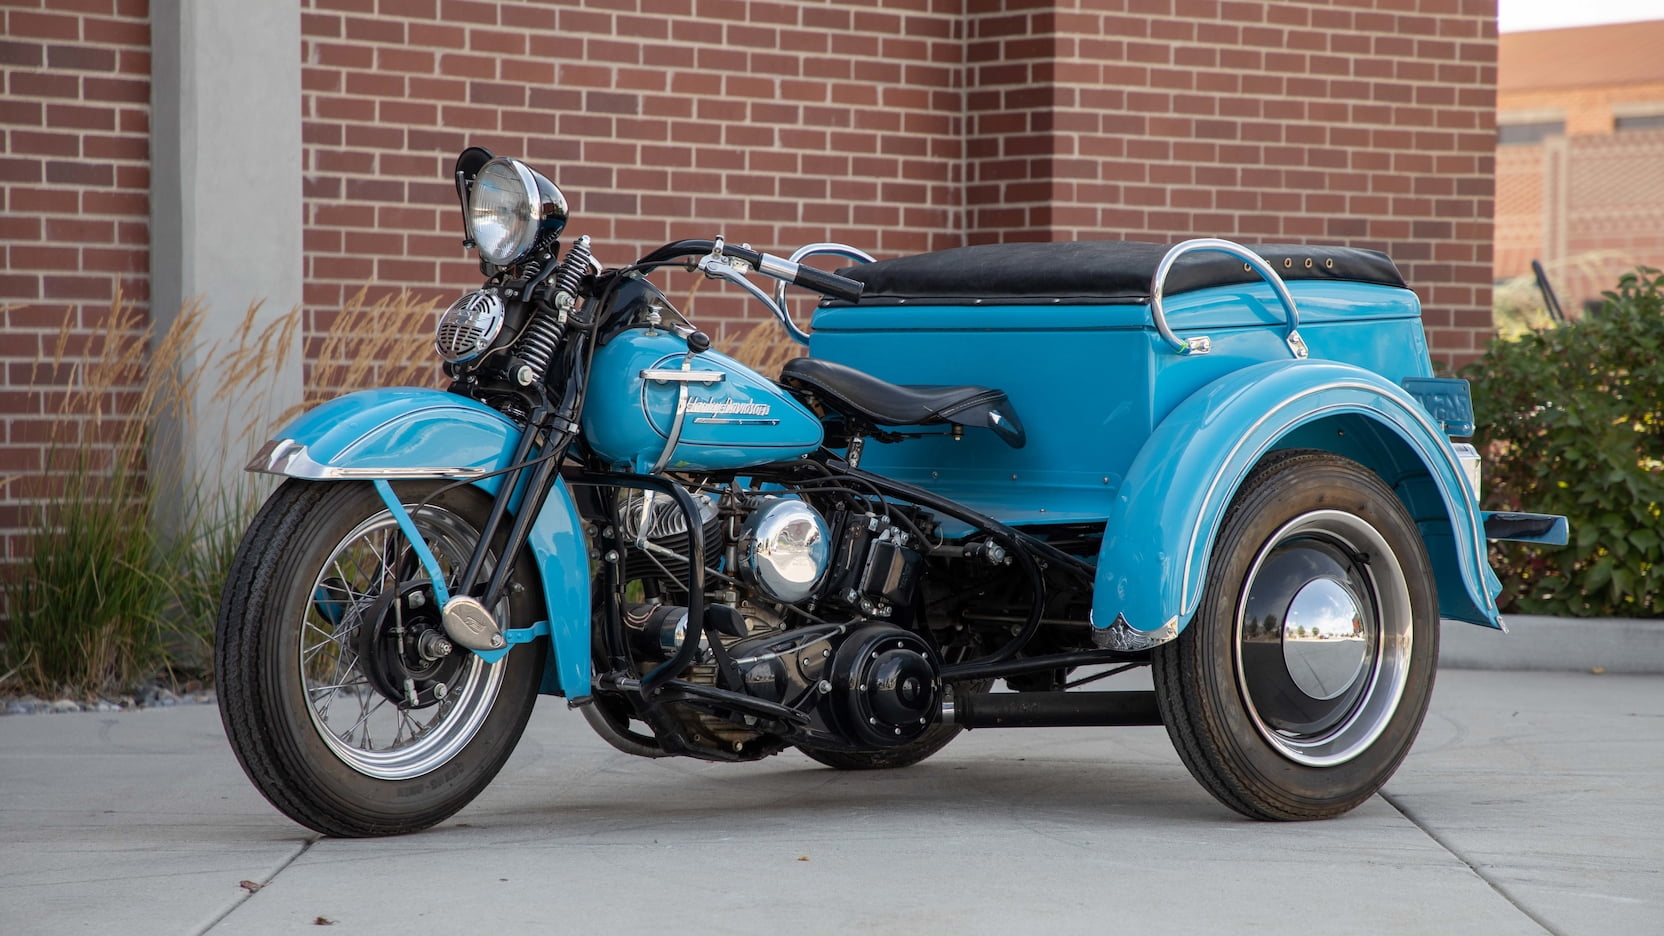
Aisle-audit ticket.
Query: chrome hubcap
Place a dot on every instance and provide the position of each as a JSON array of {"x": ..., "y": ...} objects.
[
  {"x": 1323, "y": 638},
  {"x": 1324, "y": 646}
]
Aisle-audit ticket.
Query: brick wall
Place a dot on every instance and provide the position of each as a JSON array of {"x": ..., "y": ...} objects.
[
  {"x": 74, "y": 205},
  {"x": 898, "y": 126},
  {"x": 777, "y": 123},
  {"x": 1360, "y": 123},
  {"x": 923, "y": 124}
]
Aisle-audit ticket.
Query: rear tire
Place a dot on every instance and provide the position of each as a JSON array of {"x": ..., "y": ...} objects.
[
  {"x": 1303, "y": 678},
  {"x": 317, "y": 644}
]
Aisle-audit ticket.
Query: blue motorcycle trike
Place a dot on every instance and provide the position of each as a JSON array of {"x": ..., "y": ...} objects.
[{"x": 1000, "y": 473}]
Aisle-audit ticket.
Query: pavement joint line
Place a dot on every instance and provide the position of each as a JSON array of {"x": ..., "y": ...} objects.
[
  {"x": 1494, "y": 885},
  {"x": 305, "y": 847}
]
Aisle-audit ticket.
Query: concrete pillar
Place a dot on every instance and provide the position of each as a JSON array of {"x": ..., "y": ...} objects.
[{"x": 226, "y": 220}]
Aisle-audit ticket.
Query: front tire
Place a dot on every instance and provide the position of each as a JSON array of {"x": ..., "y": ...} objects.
[
  {"x": 1303, "y": 678},
  {"x": 334, "y": 689}
]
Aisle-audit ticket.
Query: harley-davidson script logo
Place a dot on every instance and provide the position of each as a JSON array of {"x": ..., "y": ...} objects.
[{"x": 727, "y": 407}]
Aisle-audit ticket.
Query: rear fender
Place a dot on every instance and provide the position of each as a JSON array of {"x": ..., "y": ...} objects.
[
  {"x": 411, "y": 433},
  {"x": 1161, "y": 531}
]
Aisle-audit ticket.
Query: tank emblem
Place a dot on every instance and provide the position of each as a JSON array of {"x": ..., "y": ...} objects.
[{"x": 728, "y": 407}]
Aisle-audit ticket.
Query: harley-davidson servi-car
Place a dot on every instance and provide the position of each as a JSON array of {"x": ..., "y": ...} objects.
[{"x": 1038, "y": 463}]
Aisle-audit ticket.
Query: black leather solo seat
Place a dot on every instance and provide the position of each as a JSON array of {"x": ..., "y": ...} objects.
[{"x": 863, "y": 397}]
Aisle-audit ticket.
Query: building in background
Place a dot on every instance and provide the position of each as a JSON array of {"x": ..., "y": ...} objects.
[
  {"x": 292, "y": 152},
  {"x": 1580, "y": 155}
]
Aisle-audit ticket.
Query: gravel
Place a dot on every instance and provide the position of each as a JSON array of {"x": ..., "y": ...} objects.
[{"x": 143, "y": 698}]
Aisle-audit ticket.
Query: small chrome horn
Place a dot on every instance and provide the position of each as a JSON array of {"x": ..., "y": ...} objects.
[{"x": 469, "y": 326}]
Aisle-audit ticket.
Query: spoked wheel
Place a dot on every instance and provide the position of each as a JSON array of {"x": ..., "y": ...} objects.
[
  {"x": 343, "y": 699},
  {"x": 1301, "y": 682}
]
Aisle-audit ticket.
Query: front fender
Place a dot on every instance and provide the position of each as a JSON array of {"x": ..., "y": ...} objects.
[
  {"x": 409, "y": 433},
  {"x": 1161, "y": 530}
]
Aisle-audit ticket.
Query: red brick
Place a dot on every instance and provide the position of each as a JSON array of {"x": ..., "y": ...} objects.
[
  {"x": 27, "y": 54},
  {"x": 436, "y": 89},
  {"x": 95, "y": 288},
  {"x": 521, "y": 71},
  {"x": 115, "y": 90},
  {"x": 368, "y": 29},
  {"x": 42, "y": 25},
  {"x": 497, "y": 41},
  {"x": 44, "y": 84},
  {"x": 344, "y": 55},
  {"x": 80, "y": 58},
  {"x": 438, "y": 36},
  {"x": 81, "y": 118}
]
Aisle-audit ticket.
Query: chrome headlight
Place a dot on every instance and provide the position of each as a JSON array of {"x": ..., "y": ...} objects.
[
  {"x": 469, "y": 326},
  {"x": 509, "y": 208}
]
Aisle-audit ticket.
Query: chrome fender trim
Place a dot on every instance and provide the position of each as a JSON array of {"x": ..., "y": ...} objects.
[
  {"x": 1120, "y": 635},
  {"x": 290, "y": 458}
]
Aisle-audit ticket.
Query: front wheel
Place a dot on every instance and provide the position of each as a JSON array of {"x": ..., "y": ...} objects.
[
  {"x": 1303, "y": 678},
  {"x": 344, "y": 702}
]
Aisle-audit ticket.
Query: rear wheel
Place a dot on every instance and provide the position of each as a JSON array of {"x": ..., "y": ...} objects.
[
  {"x": 1303, "y": 678},
  {"x": 343, "y": 700}
]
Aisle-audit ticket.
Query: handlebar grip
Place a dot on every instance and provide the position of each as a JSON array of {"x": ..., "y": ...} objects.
[{"x": 828, "y": 284}]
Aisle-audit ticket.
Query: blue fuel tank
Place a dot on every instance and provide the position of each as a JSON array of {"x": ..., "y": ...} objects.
[{"x": 733, "y": 417}]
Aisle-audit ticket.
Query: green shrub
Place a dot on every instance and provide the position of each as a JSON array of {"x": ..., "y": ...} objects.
[
  {"x": 1571, "y": 421},
  {"x": 90, "y": 607}
]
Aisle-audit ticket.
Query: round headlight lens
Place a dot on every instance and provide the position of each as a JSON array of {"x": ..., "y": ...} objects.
[
  {"x": 500, "y": 211},
  {"x": 509, "y": 208}
]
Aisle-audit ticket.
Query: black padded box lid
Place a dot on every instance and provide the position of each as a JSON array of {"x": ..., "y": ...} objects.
[{"x": 1095, "y": 272}]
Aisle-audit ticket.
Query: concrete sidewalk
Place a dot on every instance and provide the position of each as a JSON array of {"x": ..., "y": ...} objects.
[
  {"x": 1610, "y": 645},
  {"x": 1532, "y": 803}
]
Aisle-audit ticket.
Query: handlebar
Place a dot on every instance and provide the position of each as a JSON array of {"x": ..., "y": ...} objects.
[{"x": 827, "y": 284}]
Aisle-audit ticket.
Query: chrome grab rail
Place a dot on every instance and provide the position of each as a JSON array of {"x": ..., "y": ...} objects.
[
  {"x": 810, "y": 250},
  {"x": 1201, "y": 344}
]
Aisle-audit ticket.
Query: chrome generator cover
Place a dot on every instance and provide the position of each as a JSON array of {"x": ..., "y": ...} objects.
[
  {"x": 469, "y": 326},
  {"x": 785, "y": 548}
]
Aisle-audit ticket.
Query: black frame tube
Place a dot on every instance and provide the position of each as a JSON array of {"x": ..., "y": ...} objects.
[
  {"x": 494, "y": 519},
  {"x": 999, "y": 669},
  {"x": 1026, "y": 548},
  {"x": 685, "y": 654},
  {"x": 1057, "y": 709}
]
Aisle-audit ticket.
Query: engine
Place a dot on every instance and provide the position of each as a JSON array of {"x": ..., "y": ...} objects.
[{"x": 812, "y": 605}]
